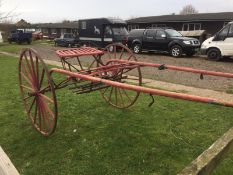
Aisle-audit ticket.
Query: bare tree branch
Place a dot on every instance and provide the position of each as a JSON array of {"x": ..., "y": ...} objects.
[{"x": 188, "y": 9}]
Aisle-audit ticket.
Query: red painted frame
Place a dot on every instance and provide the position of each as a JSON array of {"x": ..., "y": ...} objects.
[{"x": 87, "y": 51}]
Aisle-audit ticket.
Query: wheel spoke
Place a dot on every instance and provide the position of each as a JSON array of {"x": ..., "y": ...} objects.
[
  {"x": 121, "y": 97},
  {"x": 29, "y": 67},
  {"x": 29, "y": 82},
  {"x": 110, "y": 95},
  {"x": 45, "y": 116},
  {"x": 32, "y": 65},
  {"x": 33, "y": 102},
  {"x": 42, "y": 78},
  {"x": 34, "y": 119},
  {"x": 47, "y": 98},
  {"x": 39, "y": 113},
  {"x": 26, "y": 87},
  {"x": 127, "y": 95},
  {"x": 26, "y": 70},
  {"x": 116, "y": 95},
  {"x": 105, "y": 90}
]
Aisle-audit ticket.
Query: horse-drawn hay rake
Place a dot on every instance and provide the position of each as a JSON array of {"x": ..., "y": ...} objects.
[{"x": 108, "y": 71}]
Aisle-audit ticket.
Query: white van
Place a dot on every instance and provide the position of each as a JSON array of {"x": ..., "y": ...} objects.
[{"x": 220, "y": 45}]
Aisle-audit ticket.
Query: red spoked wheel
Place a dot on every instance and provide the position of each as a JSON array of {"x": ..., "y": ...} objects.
[
  {"x": 37, "y": 91},
  {"x": 123, "y": 73}
]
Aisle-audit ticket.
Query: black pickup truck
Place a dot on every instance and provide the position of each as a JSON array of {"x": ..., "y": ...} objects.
[
  {"x": 162, "y": 39},
  {"x": 20, "y": 36}
]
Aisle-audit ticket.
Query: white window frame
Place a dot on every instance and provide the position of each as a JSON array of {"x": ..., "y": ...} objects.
[
  {"x": 84, "y": 25},
  {"x": 195, "y": 25},
  {"x": 133, "y": 26},
  {"x": 158, "y": 25}
]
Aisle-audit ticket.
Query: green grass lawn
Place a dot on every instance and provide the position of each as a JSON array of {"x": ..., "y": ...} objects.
[
  {"x": 15, "y": 48},
  {"x": 162, "y": 139}
]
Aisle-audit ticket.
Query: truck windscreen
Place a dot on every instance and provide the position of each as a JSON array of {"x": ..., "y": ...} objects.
[{"x": 119, "y": 31}]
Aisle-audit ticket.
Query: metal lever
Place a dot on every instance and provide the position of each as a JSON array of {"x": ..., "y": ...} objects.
[{"x": 153, "y": 100}]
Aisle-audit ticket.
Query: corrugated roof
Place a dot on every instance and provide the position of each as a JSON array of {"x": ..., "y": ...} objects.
[
  {"x": 223, "y": 16},
  {"x": 66, "y": 25}
]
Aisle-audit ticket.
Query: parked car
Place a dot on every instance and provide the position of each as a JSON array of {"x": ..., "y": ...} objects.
[
  {"x": 162, "y": 39},
  {"x": 66, "y": 40},
  {"x": 220, "y": 45},
  {"x": 20, "y": 36}
]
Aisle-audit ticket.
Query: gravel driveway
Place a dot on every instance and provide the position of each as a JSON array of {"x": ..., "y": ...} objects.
[{"x": 189, "y": 79}]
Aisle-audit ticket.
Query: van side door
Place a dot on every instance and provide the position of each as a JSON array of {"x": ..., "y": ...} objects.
[
  {"x": 229, "y": 42},
  {"x": 149, "y": 39}
]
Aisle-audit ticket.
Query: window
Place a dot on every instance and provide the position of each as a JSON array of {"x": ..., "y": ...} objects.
[
  {"x": 173, "y": 33},
  {"x": 160, "y": 34},
  {"x": 131, "y": 27},
  {"x": 108, "y": 31},
  {"x": 150, "y": 33},
  {"x": 120, "y": 31},
  {"x": 230, "y": 34},
  {"x": 158, "y": 25},
  {"x": 223, "y": 33},
  {"x": 84, "y": 25},
  {"x": 191, "y": 26}
]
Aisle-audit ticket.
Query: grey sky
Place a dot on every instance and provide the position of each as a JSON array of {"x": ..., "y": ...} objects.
[{"x": 58, "y": 10}]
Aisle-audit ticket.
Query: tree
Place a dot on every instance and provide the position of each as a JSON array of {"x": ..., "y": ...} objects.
[
  {"x": 6, "y": 17},
  {"x": 188, "y": 9}
]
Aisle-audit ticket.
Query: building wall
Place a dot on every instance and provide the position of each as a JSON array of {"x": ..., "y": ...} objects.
[{"x": 211, "y": 27}]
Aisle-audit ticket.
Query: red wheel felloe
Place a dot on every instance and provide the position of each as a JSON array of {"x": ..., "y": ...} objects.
[
  {"x": 115, "y": 96},
  {"x": 37, "y": 91}
]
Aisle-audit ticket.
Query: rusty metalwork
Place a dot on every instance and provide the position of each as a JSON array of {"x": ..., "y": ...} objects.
[{"x": 108, "y": 72}]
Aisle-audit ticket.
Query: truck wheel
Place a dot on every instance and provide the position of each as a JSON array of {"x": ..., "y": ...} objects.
[
  {"x": 29, "y": 41},
  {"x": 214, "y": 54},
  {"x": 137, "y": 48},
  {"x": 176, "y": 51}
]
